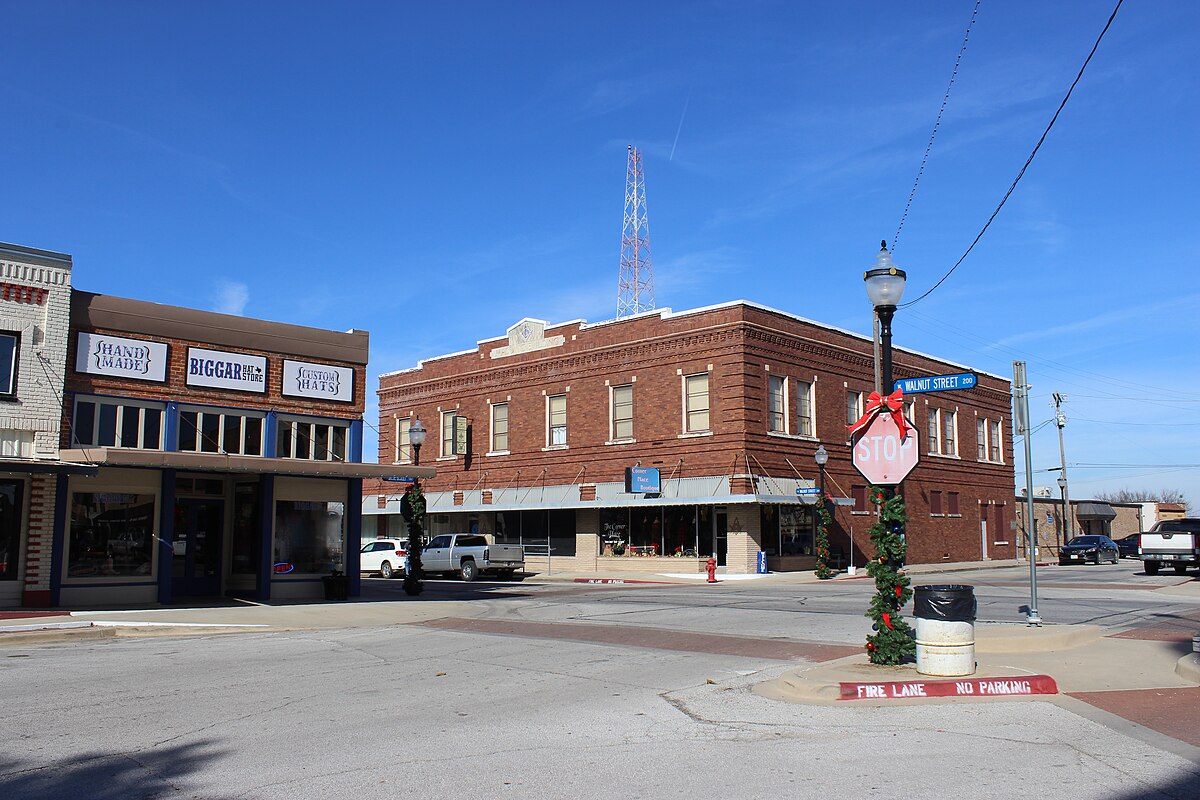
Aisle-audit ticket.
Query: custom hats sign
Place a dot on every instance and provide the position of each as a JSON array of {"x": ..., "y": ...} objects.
[{"x": 318, "y": 381}]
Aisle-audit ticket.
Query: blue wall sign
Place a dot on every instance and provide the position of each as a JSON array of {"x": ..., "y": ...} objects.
[
  {"x": 642, "y": 480},
  {"x": 808, "y": 490},
  {"x": 937, "y": 383}
]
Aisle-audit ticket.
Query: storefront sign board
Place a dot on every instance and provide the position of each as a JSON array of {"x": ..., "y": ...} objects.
[
  {"x": 119, "y": 357},
  {"x": 317, "y": 381},
  {"x": 221, "y": 370}
]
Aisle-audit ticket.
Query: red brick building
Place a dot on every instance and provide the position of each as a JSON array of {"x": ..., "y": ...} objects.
[{"x": 531, "y": 434}]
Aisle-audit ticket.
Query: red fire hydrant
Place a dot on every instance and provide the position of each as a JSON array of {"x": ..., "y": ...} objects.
[{"x": 711, "y": 566}]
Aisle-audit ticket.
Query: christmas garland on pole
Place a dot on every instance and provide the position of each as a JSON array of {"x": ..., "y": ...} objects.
[
  {"x": 823, "y": 570},
  {"x": 892, "y": 642}
]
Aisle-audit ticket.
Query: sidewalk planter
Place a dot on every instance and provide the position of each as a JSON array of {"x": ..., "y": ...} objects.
[
  {"x": 945, "y": 618},
  {"x": 337, "y": 586}
]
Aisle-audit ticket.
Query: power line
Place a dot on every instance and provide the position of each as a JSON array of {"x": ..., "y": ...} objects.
[
  {"x": 937, "y": 123},
  {"x": 1028, "y": 161}
]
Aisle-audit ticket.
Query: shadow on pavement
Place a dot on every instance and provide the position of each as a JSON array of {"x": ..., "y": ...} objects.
[
  {"x": 1186, "y": 788},
  {"x": 151, "y": 773}
]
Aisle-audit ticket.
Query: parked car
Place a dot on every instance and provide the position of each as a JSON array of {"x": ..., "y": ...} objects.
[
  {"x": 1172, "y": 541},
  {"x": 470, "y": 555},
  {"x": 1128, "y": 545},
  {"x": 1087, "y": 548},
  {"x": 385, "y": 556}
]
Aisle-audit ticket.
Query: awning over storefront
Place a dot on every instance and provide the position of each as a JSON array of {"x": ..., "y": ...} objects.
[
  {"x": 45, "y": 467},
  {"x": 1095, "y": 511},
  {"x": 94, "y": 457}
]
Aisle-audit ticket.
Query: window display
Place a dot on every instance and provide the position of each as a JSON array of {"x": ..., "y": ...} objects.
[
  {"x": 112, "y": 533},
  {"x": 309, "y": 536}
]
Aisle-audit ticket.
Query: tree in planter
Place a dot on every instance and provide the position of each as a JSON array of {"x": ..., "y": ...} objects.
[
  {"x": 823, "y": 569},
  {"x": 892, "y": 641}
]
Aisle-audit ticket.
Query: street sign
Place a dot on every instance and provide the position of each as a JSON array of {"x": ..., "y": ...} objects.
[
  {"x": 808, "y": 490},
  {"x": 399, "y": 479},
  {"x": 938, "y": 383},
  {"x": 881, "y": 456}
]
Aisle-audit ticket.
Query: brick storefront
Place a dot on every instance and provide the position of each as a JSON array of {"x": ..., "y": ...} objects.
[{"x": 776, "y": 388}]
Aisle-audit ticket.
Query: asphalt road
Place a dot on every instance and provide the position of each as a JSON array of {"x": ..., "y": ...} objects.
[{"x": 506, "y": 705}]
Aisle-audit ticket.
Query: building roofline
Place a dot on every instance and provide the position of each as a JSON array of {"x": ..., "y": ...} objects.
[
  {"x": 45, "y": 258},
  {"x": 107, "y": 312},
  {"x": 667, "y": 313}
]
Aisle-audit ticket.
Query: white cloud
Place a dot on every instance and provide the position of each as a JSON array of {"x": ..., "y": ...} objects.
[{"x": 232, "y": 297}]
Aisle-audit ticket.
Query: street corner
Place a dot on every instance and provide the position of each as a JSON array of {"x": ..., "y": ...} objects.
[
  {"x": 854, "y": 680},
  {"x": 1188, "y": 668}
]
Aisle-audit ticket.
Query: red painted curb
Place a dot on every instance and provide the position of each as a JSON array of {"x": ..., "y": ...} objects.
[
  {"x": 621, "y": 580},
  {"x": 970, "y": 687}
]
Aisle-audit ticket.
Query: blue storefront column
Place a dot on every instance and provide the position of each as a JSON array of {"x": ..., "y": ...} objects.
[
  {"x": 266, "y": 526},
  {"x": 353, "y": 533},
  {"x": 166, "y": 535}
]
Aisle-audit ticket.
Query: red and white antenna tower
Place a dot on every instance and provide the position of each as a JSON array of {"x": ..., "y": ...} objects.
[{"x": 635, "y": 292}]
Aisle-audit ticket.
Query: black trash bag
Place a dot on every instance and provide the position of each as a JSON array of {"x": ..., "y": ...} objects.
[{"x": 951, "y": 603}]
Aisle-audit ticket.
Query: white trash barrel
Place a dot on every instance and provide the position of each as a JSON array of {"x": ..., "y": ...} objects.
[{"x": 945, "y": 618}]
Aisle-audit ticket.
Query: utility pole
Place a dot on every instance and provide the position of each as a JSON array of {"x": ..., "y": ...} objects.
[
  {"x": 1021, "y": 415},
  {"x": 1060, "y": 419}
]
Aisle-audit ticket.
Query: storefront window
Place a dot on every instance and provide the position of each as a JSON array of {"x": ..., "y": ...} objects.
[
  {"x": 538, "y": 530},
  {"x": 796, "y": 530},
  {"x": 10, "y": 528},
  {"x": 651, "y": 531},
  {"x": 309, "y": 535},
  {"x": 111, "y": 534}
]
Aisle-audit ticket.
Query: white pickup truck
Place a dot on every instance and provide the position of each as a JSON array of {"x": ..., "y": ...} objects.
[
  {"x": 1172, "y": 541},
  {"x": 470, "y": 555}
]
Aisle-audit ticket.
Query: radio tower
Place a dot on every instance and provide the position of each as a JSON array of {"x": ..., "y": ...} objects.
[{"x": 635, "y": 292}]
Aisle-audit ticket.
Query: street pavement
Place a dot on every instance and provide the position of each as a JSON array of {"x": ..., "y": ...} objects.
[{"x": 558, "y": 688}]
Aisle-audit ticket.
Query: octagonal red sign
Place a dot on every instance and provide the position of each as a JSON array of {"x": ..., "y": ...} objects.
[{"x": 881, "y": 455}]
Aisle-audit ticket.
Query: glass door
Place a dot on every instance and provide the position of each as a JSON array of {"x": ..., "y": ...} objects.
[{"x": 196, "y": 563}]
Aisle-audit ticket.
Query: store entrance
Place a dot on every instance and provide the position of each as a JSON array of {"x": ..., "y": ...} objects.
[{"x": 196, "y": 564}]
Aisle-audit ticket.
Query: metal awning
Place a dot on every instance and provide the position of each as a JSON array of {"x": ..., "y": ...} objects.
[
  {"x": 1095, "y": 511},
  {"x": 94, "y": 457},
  {"x": 45, "y": 467}
]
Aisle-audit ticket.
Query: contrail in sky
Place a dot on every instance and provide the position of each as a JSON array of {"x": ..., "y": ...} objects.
[{"x": 680, "y": 128}]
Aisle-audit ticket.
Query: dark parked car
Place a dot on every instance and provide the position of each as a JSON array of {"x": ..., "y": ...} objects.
[
  {"x": 1128, "y": 545},
  {"x": 1089, "y": 548}
]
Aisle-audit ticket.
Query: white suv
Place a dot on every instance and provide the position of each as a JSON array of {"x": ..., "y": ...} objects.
[{"x": 385, "y": 556}]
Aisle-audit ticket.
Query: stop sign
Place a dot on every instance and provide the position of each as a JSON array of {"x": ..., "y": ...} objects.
[{"x": 880, "y": 454}]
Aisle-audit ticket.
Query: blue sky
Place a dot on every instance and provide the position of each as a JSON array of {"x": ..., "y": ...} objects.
[{"x": 434, "y": 172}]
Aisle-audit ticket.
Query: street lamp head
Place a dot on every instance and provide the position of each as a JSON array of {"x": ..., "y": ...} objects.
[
  {"x": 416, "y": 433},
  {"x": 1062, "y": 482},
  {"x": 821, "y": 456},
  {"x": 885, "y": 283}
]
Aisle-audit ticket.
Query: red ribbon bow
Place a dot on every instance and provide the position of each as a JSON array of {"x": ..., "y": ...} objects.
[{"x": 892, "y": 404}]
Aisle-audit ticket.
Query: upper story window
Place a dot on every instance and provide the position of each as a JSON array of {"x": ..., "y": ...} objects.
[
  {"x": 448, "y": 434},
  {"x": 804, "y": 409},
  {"x": 314, "y": 440},
  {"x": 777, "y": 404},
  {"x": 403, "y": 442},
  {"x": 500, "y": 428},
  {"x": 988, "y": 434},
  {"x": 556, "y": 420},
  {"x": 117, "y": 422},
  {"x": 221, "y": 430},
  {"x": 622, "y": 412},
  {"x": 943, "y": 432},
  {"x": 10, "y": 348},
  {"x": 854, "y": 406},
  {"x": 696, "y": 405}
]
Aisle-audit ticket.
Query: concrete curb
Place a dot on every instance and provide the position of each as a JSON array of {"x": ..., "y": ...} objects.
[
  {"x": 1009, "y": 638},
  {"x": 1188, "y": 667}
]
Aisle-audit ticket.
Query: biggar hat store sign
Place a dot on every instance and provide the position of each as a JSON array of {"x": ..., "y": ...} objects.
[{"x": 884, "y": 444}]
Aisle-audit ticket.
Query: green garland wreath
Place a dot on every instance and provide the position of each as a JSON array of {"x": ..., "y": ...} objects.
[
  {"x": 892, "y": 642},
  {"x": 823, "y": 570}
]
